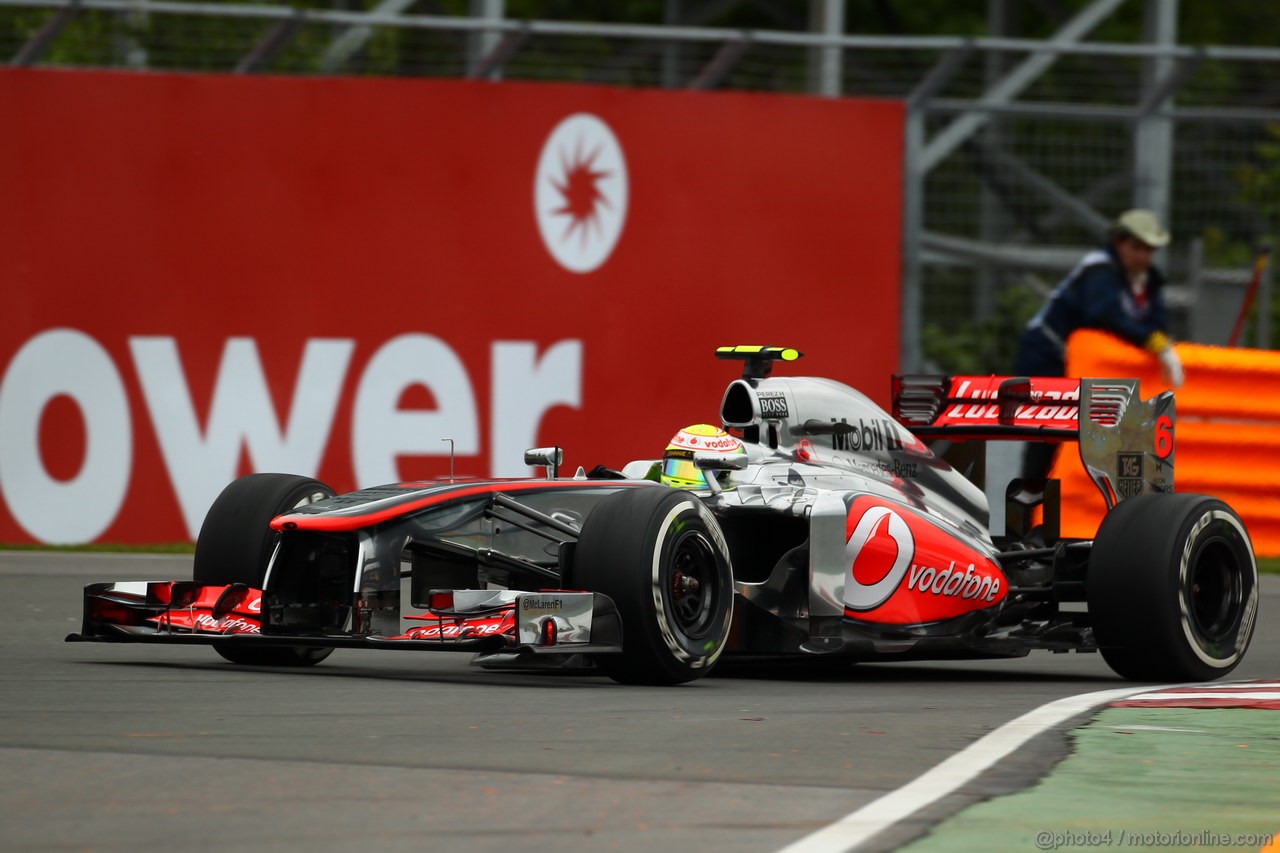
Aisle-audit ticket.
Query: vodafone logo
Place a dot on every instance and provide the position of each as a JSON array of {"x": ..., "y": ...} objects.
[
  {"x": 580, "y": 193},
  {"x": 724, "y": 442},
  {"x": 910, "y": 572},
  {"x": 880, "y": 551}
]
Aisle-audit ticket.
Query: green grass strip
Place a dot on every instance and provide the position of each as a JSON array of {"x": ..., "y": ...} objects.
[{"x": 1200, "y": 779}]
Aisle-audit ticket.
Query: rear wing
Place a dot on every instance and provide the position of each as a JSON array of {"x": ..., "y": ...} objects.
[{"x": 1126, "y": 443}]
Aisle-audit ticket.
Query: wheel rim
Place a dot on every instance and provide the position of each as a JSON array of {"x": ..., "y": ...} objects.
[
  {"x": 692, "y": 579},
  {"x": 310, "y": 498},
  {"x": 1215, "y": 591}
]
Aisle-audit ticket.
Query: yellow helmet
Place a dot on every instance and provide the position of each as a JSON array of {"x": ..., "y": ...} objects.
[{"x": 678, "y": 469}]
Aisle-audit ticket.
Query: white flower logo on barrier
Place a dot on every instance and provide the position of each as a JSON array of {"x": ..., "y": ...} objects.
[{"x": 580, "y": 193}]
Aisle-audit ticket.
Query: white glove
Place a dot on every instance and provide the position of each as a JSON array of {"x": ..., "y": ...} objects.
[{"x": 1171, "y": 367}]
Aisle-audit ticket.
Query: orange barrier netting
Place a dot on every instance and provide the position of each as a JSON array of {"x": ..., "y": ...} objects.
[{"x": 1227, "y": 433}]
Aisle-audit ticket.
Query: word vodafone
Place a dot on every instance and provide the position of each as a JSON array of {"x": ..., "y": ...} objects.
[
  {"x": 951, "y": 581},
  {"x": 201, "y": 459}
]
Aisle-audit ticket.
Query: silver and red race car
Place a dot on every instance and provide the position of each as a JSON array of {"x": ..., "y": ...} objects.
[{"x": 841, "y": 531}]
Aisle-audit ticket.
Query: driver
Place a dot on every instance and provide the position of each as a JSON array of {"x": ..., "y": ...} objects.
[{"x": 678, "y": 469}]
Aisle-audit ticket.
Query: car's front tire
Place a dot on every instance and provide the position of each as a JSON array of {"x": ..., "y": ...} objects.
[
  {"x": 662, "y": 558},
  {"x": 235, "y": 546},
  {"x": 1172, "y": 588}
]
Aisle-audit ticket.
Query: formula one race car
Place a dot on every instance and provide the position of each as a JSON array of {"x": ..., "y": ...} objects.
[{"x": 832, "y": 530}]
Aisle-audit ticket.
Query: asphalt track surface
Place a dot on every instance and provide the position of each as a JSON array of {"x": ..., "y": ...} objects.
[{"x": 117, "y": 747}]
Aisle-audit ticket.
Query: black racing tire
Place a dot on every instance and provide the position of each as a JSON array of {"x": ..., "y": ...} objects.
[
  {"x": 662, "y": 558},
  {"x": 235, "y": 545},
  {"x": 1172, "y": 588}
]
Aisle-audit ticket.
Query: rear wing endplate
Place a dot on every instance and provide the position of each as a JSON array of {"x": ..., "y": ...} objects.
[{"x": 1126, "y": 443}]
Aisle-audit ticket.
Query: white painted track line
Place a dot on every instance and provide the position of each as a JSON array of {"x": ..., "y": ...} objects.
[
  {"x": 878, "y": 815},
  {"x": 1208, "y": 694}
]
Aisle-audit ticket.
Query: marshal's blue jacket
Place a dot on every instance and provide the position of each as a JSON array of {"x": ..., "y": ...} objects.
[{"x": 1094, "y": 295}]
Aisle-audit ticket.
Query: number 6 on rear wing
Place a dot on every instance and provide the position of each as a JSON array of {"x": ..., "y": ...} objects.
[{"x": 1125, "y": 443}]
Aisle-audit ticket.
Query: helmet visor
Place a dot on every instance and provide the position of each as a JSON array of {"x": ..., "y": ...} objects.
[{"x": 683, "y": 470}]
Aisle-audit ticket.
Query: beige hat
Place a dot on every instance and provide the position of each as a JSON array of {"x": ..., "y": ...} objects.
[{"x": 1143, "y": 225}]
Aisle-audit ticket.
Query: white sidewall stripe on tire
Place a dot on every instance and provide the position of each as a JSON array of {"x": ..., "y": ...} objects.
[
  {"x": 878, "y": 815},
  {"x": 656, "y": 587},
  {"x": 1250, "y": 606}
]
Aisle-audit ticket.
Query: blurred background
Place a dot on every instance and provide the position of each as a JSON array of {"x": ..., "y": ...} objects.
[{"x": 1030, "y": 124}]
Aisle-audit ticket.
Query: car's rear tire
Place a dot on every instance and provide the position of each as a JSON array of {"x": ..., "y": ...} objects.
[
  {"x": 235, "y": 546},
  {"x": 662, "y": 558},
  {"x": 1172, "y": 588}
]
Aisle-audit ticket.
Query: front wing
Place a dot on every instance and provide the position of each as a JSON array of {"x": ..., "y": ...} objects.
[{"x": 188, "y": 613}]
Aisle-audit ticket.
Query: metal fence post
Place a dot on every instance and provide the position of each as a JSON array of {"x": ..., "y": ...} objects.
[
  {"x": 827, "y": 18},
  {"x": 914, "y": 173},
  {"x": 1153, "y": 136},
  {"x": 1197, "y": 327},
  {"x": 913, "y": 177},
  {"x": 483, "y": 45}
]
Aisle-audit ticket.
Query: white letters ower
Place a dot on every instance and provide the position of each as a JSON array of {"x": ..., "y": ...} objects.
[
  {"x": 201, "y": 459},
  {"x": 201, "y": 462},
  {"x": 380, "y": 432},
  {"x": 64, "y": 361},
  {"x": 524, "y": 388}
]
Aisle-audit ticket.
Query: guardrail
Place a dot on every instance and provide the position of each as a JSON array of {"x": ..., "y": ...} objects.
[{"x": 1227, "y": 432}]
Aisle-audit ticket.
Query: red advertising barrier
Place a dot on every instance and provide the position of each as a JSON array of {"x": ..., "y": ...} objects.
[{"x": 209, "y": 275}]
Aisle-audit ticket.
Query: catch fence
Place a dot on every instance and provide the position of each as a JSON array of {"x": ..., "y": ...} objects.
[{"x": 1019, "y": 150}]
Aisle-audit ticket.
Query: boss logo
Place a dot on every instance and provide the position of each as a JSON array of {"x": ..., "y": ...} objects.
[{"x": 773, "y": 406}]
